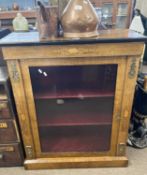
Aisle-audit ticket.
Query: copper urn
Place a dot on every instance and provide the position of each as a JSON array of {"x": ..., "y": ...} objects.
[{"x": 79, "y": 19}]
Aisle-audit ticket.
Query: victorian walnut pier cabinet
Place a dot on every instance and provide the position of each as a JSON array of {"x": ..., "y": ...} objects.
[{"x": 74, "y": 96}]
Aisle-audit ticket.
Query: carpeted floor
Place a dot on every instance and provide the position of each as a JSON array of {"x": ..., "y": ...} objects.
[{"x": 137, "y": 166}]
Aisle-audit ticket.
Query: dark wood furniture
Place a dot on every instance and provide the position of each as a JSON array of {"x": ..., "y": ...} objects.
[
  {"x": 115, "y": 13},
  {"x": 10, "y": 148},
  {"x": 72, "y": 96},
  {"x": 12, "y": 14}
]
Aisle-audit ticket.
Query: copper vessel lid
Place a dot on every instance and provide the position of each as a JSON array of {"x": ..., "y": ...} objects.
[{"x": 79, "y": 19}]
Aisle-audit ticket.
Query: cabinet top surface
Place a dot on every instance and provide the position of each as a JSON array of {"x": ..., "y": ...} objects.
[{"x": 107, "y": 36}]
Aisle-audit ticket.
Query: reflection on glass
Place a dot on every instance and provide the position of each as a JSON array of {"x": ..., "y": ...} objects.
[{"x": 74, "y": 106}]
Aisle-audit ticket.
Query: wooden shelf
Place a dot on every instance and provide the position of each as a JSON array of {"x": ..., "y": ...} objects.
[
  {"x": 90, "y": 111},
  {"x": 72, "y": 124},
  {"x": 12, "y": 14},
  {"x": 76, "y": 120},
  {"x": 73, "y": 94}
]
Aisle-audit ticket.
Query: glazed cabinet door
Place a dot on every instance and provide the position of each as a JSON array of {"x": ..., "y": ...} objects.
[{"x": 74, "y": 106}]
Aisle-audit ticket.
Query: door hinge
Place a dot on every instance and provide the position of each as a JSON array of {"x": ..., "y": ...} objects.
[
  {"x": 14, "y": 72},
  {"x": 121, "y": 149},
  {"x": 29, "y": 151}
]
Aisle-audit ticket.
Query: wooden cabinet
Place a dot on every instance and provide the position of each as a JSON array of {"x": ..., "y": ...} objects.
[
  {"x": 11, "y": 153},
  {"x": 72, "y": 97},
  {"x": 114, "y": 13}
]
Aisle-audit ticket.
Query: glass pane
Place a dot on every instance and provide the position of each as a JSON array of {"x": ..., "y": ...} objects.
[
  {"x": 107, "y": 9},
  {"x": 74, "y": 106},
  {"x": 107, "y": 14},
  {"x": 121, "y": 22},
  {"x": 121, "y": 19},
  {"x": 122, "y": 9}
]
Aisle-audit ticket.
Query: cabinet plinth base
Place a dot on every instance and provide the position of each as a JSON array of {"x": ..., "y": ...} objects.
[{"x": 74, "y": 162}]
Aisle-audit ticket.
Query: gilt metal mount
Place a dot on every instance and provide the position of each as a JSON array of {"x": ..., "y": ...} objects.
[
  {"x": 133, "y": 67},
  {"x": 14, "y": 73}
]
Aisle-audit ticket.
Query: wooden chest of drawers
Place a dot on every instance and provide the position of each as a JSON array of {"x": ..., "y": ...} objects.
[
  {"x": 5, "y": 111},
  {"x": 8, "y": 131},
  {"x": 11, "y": 153}
]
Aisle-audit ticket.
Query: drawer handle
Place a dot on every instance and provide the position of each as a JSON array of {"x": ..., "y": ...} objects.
[
  {"x": 7, "y": 149},
  {"x": 2, "y": 106},
  {"x": 3, "y": 125},
  {"x": 1, "y": 156}
]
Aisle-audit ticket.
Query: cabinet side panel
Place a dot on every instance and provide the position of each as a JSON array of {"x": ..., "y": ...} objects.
[
  {"x": 128, "y": 95},
  {"x": 118, "y": 102},
  {"x": 20, "y": 100}
]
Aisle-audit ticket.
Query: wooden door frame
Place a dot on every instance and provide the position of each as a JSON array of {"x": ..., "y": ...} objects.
[{"x": 25, "y": 64}]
